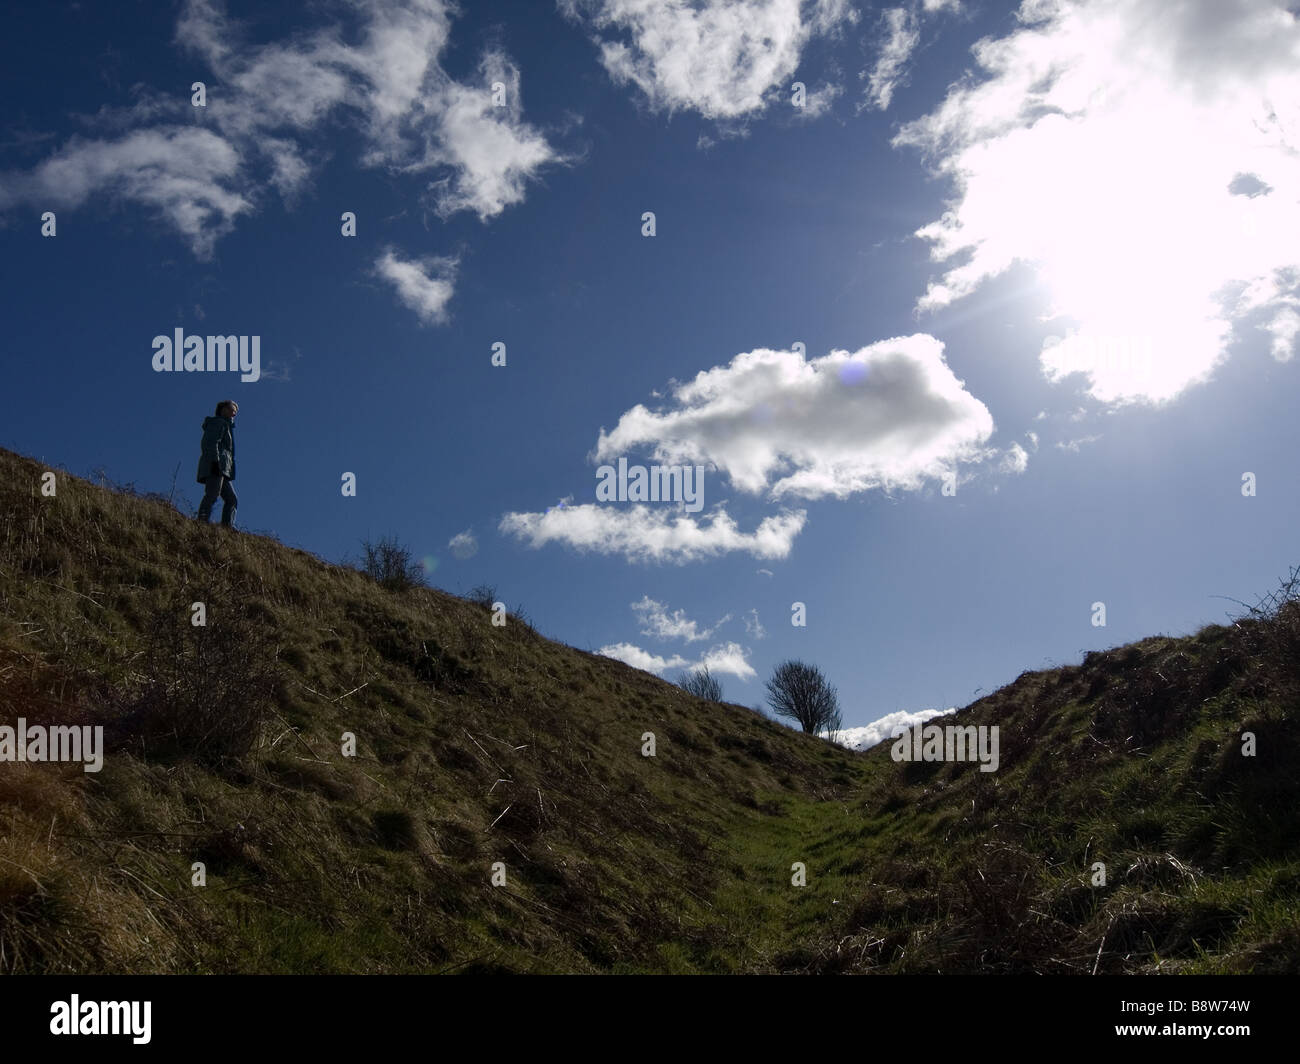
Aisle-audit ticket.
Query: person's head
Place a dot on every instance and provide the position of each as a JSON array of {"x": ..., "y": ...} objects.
[{"x": 227, "y": 408}]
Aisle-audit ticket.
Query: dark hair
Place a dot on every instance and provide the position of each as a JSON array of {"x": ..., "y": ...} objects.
[{"x": 227, "y": 403}]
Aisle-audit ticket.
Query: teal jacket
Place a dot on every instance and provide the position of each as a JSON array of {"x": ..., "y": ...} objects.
[{"x": 218, "y": 446}]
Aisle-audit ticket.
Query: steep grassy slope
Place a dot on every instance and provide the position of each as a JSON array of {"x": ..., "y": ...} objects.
[
  {"x": 476, "y": 744},
  {"x": 479, "y": 744}
]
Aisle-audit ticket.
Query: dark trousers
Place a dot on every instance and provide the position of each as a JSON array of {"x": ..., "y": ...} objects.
[{"x": 216, "y": 485}]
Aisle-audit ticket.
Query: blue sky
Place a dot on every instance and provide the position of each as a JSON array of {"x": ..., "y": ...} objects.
[{"x": 1048, "y": 254}]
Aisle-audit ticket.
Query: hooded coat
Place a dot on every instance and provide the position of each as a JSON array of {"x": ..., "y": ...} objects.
[{"x": 219, "y": 447}]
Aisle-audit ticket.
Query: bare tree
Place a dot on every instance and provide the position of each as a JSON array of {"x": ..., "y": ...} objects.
[
  {"x": 702, "y": 684},
  {"x": 801, "y": 693}
]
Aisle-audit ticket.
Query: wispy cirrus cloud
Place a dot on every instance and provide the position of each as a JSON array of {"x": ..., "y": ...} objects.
[
  {"x": 900, "y": 37},
  {"x": 1076, "y": 445}
]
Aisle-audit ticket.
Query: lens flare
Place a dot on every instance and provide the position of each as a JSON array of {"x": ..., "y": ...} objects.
[{"x": 853, "y": 373}]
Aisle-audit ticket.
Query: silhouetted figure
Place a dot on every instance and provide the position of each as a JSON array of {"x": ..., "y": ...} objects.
[{"x": 217, "y": 463}]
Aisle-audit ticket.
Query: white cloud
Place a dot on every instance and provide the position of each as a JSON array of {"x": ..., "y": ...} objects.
[
  {"x": 423, "y": 285},
  {"x": 1015, "y": 460},
  {"x": 642, "y": 533},
  {"x": 886, "y": 416},
  {"x": 633, "y": 655},
  {"x": 657, "y": 622},
  {"x": 1142, "y": 156},
  {"x": 726, "y": 659},
  {"x": 818, "y": 103},
  {"x": 267, "y": 109},
  {"x": 416, "y": 118},
  {"x": 1284, "y": 328},
  {"x": 753, "y": 626},
  {"x": 187, "y": 177},
  {"x": 463, "y": 545},
  {"x": 723, "y": 58},
  {"x": 887, "y": 727},
  {"x": 1278, "y": 307},
  {"x": 491, "y": 152},
  {"x": 1074, "y": 446},
  {"x": 902, "y": 35}
]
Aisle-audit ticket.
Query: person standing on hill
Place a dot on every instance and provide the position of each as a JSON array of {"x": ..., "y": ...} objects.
[{"x": 217, "y": 463}]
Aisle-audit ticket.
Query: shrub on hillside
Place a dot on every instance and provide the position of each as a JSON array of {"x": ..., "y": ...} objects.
[
  {"x": 391, "y": 565},
  {"x": 702, "y": 684}
]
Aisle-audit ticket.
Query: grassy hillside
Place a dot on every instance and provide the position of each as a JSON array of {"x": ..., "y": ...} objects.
[
  {"x": 1133, "y": 759},
  {"x": 479, "y": 744}
]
